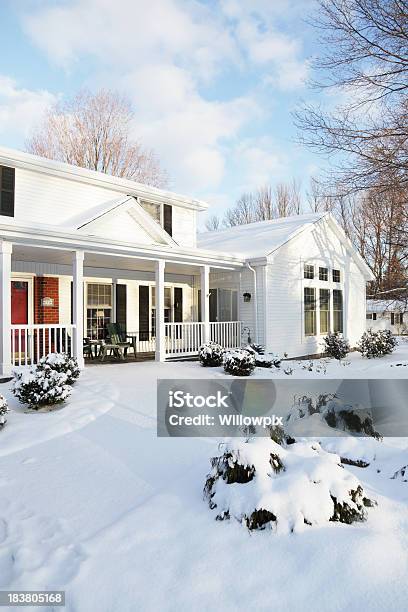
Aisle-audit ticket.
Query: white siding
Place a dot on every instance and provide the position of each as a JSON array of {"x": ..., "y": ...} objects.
[
  {"x": 284, "y": 321},
  {"x": 121, "y": 226},
  {"x": 383, "y": 321},
  {"x": 184, "y": 226},
  {"x": 44, "y": 199}
]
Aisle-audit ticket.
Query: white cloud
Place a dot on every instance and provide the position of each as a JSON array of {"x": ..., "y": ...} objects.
[
  {"x": 20, "y": 109},
  {"x": 191, "y": 133},
  {"x": 262, "y": 163},
  {"x": 165, "y": 54}
]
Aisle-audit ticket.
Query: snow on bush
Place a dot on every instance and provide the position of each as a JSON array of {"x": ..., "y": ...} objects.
[
  {"x": 263, "y": 360},
  {"x": 336, "y": 346},
  {"x": 41, "y": 387},
  {"x": 63, "y": 363},
  {"x": 3, "y": 411},
  {"x": 257, "y": 348},
  {"x": 265, "y": 485},
  {"x": 377, "y": 343},
  {"x": 239, "y": 362},
  {"x": 328, "y": 410},
  {"x": 210, "y": 354}
]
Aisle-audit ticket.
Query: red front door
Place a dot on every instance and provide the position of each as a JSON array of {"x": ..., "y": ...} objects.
[{"x": 19, "y": 309}]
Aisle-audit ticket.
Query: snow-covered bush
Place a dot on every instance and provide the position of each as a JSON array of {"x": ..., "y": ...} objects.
[
  {"x": 377, "y": 343},
  {"x": 3, "y": 411},
  {"x": 239, "y": 362},
  {"x": 39, "y": 388},
  {"x": 257, "y": 348},
  {"x": 263, "y": 360},
  {"x": 336, "y": 346},
  {"x": 210, "y": 354},
  {"x": 286, "y": 488},
  {"x": 62, "y": 363},
  {"x": 327, "y": 411}
]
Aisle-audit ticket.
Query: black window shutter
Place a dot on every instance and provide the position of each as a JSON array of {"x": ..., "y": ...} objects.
[
  {"x": 178, "y": 304},
  {"x": 121, "y": 307},
  {"x": 143, "y": 312},
  {"x": 7, "y": 184},
  {"x": 392, "y": 318},
  {"x": 168, "y": 218},
  {"x": 213, "y": 304}
]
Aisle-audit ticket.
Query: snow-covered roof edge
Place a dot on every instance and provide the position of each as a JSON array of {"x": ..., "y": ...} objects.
[
  {"x": 36, "y": 163},
  {"x": 386, "y": 306}
]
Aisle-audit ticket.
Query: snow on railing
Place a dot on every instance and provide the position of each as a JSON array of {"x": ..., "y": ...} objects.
[{"x": 31, "y": 342}]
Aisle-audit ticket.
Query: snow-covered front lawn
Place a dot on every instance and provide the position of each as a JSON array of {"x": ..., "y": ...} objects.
[{"x": 91, "y": 501}]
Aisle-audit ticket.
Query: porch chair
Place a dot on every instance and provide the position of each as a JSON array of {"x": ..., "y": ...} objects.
[{"x": 116, "y": 336}]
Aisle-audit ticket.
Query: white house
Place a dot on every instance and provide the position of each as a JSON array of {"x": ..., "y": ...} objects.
[
  {"x": 387, "y": 314},
  {"x": 80, "y": 250}
]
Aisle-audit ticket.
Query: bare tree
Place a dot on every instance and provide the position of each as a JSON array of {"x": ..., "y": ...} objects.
[
  {"x": 93, "y": 131},
  {"x": 243, "y": 212},
  {"x": 364, "y": 61},
  {"x": 213, "y": 223},
  {"x": 264, "y": 204},
  {"x": 283, "y": 200},
  {"x": 295, "y": 196}
]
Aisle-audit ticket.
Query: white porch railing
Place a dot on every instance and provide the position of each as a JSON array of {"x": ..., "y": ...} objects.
[
  {"x": 31, "y": 342},
  {"x": 226, "y": 333},
  {"x": 183, "y": 339}
]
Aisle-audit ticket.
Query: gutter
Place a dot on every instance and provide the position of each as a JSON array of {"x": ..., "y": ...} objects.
[{"x": 247, "y": 265}]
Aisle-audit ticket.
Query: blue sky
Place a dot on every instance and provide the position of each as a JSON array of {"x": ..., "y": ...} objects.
[{"x": 213, "y": 82}]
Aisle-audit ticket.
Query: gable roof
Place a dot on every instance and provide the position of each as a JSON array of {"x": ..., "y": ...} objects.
[
  {"x": 259, "y": 239},
  {"x": 88, "y": 223}
]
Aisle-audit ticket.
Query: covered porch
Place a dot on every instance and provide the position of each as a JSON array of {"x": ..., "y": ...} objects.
[{"x": 54, "y": 295}]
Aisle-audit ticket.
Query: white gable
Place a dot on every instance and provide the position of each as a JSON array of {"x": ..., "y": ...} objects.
[{"x": 121, "y": 226}]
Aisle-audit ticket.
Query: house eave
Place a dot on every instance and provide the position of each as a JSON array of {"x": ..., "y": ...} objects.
[
  {"x": 123, "y": 186},
  {"x": 48, "y": 238}
]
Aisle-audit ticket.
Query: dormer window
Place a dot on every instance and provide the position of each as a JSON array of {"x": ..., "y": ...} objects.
[{"x": 161, "y": 213}]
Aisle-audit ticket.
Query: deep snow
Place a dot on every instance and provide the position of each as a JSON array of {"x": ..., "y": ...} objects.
[{"x": 94, "y": 503}]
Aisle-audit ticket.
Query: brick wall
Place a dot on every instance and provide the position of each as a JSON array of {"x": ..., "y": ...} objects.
[{"x": 45, "y": 286}]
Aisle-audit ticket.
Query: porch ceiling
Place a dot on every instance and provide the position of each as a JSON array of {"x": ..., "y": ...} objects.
[{"x": 97, "y": 260}]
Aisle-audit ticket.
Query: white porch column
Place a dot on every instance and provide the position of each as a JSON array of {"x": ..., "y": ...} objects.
[
  {"x": 78, "y": 305},
  {"x": 160, "y": 329},
  {"x": 5, "y": 307},
  {"x": 205, "y": 301}
]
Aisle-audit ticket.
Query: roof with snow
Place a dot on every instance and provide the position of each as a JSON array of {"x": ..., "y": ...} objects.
[
  {"x": 257, "y": 239},
  {"x": 386, "y": 306}
]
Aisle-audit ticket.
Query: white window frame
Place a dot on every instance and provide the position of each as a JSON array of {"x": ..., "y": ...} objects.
[{"x": 98, "y": 281}]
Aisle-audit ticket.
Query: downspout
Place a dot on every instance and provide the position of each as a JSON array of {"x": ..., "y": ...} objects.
[{"x": 255, "y": 303}]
